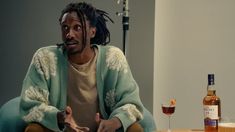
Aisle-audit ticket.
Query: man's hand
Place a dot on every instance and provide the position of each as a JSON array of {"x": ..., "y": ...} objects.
[
  {"x": 69, "y": 122},
  {"x": 110, "y": 125}
]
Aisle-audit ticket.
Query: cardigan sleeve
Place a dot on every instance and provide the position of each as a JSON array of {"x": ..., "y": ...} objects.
[
  {"x": 122, "y": 92},
  {"x": 34, "y": 104}
]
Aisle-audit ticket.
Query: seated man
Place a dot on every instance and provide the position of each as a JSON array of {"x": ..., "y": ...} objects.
[{"x": 82, "y": 84}]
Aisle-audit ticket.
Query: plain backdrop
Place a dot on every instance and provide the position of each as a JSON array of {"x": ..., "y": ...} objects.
[{"x": 27, "y": 25}]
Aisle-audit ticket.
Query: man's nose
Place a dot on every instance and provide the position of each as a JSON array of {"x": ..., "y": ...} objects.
[{"x": 70, "y": 34}]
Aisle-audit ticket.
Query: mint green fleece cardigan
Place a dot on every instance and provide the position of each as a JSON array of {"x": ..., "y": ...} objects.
[{"x": 44, "y": 87}]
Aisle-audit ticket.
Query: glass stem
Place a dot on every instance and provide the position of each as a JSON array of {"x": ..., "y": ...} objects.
[{"x": 169, "y": 123}]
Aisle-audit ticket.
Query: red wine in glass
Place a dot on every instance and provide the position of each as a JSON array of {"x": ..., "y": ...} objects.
[{"x": 168, "y": 110}]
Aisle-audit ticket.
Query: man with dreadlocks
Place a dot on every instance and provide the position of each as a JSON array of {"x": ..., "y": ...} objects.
[{"x": 82, "y": 85}]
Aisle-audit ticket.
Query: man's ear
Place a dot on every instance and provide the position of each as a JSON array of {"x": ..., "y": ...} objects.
[{"x": 92, "y": 32}]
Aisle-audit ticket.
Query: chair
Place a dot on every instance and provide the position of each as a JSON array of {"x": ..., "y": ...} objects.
[{"x": 10, "y": 120}]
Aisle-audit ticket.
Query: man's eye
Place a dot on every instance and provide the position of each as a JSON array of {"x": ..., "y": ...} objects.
[
  {"x": 77, "y": 27},
  {"x": 65, "y": 28}
]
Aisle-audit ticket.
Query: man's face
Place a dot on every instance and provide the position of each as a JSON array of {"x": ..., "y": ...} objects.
[{"x": 72, "y": 33}]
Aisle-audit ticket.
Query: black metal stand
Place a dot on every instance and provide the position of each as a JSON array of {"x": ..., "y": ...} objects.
[{"x": 125, "y": 22}]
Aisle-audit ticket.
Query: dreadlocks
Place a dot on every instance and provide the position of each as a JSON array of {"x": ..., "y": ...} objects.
[{"x": 96, "y": 17}]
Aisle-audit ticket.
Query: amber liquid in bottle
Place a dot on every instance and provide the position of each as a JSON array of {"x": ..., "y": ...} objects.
[{"x": 212, "y": 108}]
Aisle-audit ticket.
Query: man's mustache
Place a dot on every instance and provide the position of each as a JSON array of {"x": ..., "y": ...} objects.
[
  {"x": 71, "y": 42},
  {"x": 68, "y": 42}
]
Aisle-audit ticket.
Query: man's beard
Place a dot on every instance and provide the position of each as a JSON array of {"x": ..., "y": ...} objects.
[{"x": 75, "y": 50}]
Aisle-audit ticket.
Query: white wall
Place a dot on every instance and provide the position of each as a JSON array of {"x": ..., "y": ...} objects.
[{"x": 193, "y": 38}]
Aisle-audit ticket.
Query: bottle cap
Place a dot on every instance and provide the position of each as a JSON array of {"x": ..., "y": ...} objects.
[{"x": 211, "y": 79}]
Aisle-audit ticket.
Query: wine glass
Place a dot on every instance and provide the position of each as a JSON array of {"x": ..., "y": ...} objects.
[{"x": 168, "y": 108}]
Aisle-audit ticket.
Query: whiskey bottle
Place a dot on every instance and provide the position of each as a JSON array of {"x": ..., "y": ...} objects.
[{"x": 211, "y": 106}]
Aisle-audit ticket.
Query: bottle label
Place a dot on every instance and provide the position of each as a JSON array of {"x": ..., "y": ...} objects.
[
  {"x": 212, "y": 123},
  {"x": 211, "y": 112}
]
